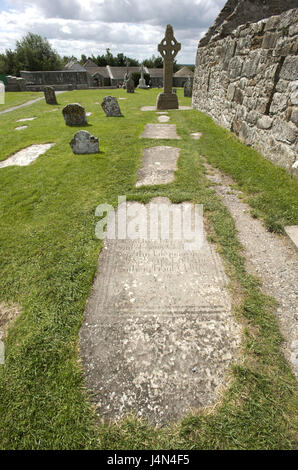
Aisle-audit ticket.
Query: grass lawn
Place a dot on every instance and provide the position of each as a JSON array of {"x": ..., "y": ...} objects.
[
  {"x": 48, "y": 256},
  {"x": 16, "y": 98}
]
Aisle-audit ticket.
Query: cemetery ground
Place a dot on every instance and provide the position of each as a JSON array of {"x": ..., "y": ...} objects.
[{"x": 48, "y": 261}]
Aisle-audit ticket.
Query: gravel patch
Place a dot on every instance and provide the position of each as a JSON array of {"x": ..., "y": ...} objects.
[{"x": 273, "y": 258}]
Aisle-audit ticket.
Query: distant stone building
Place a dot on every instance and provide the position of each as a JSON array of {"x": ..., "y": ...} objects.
[
  {"x": 181, "y": 76},
  {"x": 74, "y": 66},
  {"x": 246, "y": 76}
]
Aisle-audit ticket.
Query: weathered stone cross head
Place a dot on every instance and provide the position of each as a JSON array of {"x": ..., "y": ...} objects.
[{"x": 169, "y": 46}]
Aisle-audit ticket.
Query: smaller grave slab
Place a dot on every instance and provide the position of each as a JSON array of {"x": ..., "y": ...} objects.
[
  {"x": 26, "y": 119},
  {"x": 292, "y": 232},
  {"x": 84, "y": 143},
  {"x": 160, "y": 131},
  {"x": 111, "y": 107},
  {"x": 163, "y": 118},
  {"x": 74, "y": 115},
  {"x": 196, "y": 135},
  {"x": 20, "y": 128},
  {"x": 159, "y": 165},
  {"x": 26, "y": 156}
]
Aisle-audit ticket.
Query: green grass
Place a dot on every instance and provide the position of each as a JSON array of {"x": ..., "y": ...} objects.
[
  {"x": 48, "y": 260},
  {"x": 16, "y": 98}
]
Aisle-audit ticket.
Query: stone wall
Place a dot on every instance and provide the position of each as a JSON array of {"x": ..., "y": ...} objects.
[
  {"x": 77, "y": 79},
  {"x": 248, "y": 82}
]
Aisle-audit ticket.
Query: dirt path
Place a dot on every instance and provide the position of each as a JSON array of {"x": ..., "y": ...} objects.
[{"x": 273, "y": 258}]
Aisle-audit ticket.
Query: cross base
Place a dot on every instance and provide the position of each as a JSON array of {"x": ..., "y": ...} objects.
[{"x": 167, "y": 101}]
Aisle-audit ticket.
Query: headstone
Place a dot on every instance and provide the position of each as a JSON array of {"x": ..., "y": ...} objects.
[
  {"x": 168, "y": 48},
  {"x": 74, "y": 115},
  {"x": 130, "y": 85},
  {"x": 84, "y": 143},
  {"x": 111, "y": 107},
  {"x": 2, "y": 93},
  {"x": 188, "y": 87},
  {"x": 50, "y": 95},
  {"x": 142, "y": 81},
  {"x": 126, "y": 76}
]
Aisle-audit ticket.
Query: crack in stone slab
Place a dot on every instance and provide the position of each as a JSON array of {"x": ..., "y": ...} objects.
[
  {"x": 273, "y": 258},
  {"x": 158, "y": 336},
  {"x": 160, "y": 131},
  {"x": 26, "y": 156},
  {"x": 159, "y": 165}
]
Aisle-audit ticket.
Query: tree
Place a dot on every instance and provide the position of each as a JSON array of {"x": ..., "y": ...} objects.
[
  {"x": 153, "y": 62},
  {"x": 35, "y": 53}
]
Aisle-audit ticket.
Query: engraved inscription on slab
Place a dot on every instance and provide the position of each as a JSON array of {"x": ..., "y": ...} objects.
[{"x": 158, "y": 336}]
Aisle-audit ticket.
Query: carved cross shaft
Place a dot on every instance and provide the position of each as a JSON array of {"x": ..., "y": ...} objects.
[{"x": 168, "y": 49}]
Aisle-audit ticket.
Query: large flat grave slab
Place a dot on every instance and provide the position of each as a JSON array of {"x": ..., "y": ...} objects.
[
  {"x": 159, "y": 165},
  {"x": 160, "y": 131},
  {"x": 158, "y": 335},
  {"x": 26, "y": 156}
]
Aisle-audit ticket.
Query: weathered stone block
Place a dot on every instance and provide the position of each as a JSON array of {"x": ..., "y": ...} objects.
[
  {"x": 289, "y": 69},
  {"x": 279, "y": 103},
  {"x": 294, "y": 116},
  {"x": 111, "y": 107},
  {"x": 84, "y": 143},
  {"x": 284, "y": 132},
  {"x": 74, "y": 115},
  {"x": 265, "y": 122},
  {"x": 167, "y": 101},
  {"x": 270, "y": 40},
  {"x": 231, "y": 91}
]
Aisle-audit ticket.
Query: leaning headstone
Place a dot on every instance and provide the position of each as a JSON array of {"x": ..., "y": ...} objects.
[
  {"x": 188, "y": 87},
  {"x": 111, "y": 107},
  {"x": 74, "y": 115},
  {"x": 83, "y": 142},
  {"x": 130, "y": 85},
  {"x": 168, "y": 49},
  {"x": 50, "y": 95}
]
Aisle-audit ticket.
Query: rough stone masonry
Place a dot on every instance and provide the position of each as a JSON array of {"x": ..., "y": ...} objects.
[{"x": 246, "y": 79}]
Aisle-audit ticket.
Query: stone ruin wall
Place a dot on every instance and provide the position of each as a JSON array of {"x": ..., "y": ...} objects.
[{"x": 247, "y": 82}]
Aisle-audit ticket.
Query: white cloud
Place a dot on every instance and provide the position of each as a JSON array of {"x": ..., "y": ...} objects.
[{"x": 133, "y": 27}]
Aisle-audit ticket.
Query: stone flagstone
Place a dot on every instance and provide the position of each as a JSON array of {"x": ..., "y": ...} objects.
[
  {"x": 163, "y": 118},
  {"x": 160, "y": 131},
  {"x": 26, "y": 119},
  {"x": 159, "y": 165},
  {"x": 196, "y": 135},
  {"x": 20, "y": 128},
  {"x": 26, "y": 156},
  {"x": 158, "y": 336}
]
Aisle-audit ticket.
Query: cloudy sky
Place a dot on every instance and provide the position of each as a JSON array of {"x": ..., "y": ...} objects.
[{"x": 134, "y": 27}]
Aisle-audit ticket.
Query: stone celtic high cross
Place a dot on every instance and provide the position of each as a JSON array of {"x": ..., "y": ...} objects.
[{"x": 168, "y": 49}]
